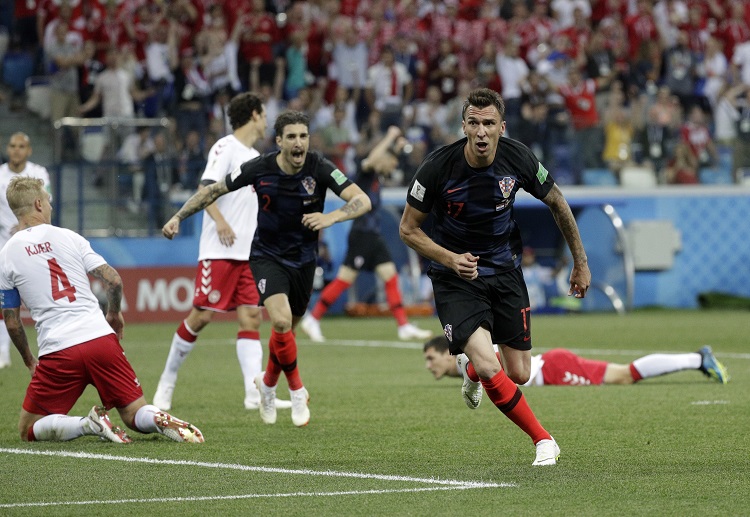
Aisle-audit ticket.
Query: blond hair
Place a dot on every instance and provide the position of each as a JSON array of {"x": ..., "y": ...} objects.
[{"x": 22, "y": 192}]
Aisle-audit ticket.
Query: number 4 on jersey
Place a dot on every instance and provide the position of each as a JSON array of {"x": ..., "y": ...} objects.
[{"x": 59, "y": 279}]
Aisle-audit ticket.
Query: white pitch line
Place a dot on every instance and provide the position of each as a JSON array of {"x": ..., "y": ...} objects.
[
  {"x": 363, "y": 343},
  {"x": 270, "y": 470},
  {"x": 242, "y": 496}
]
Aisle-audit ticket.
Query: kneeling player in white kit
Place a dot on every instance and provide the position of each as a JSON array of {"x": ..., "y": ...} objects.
[{"x": 47, "y": 268}]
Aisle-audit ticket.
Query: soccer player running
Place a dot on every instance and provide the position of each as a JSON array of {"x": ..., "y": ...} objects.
[
  {"x": 223, "y": 280},
  {"x": 47, "y": 268},
  {"x": 291, "y": 185},
  {"x": 562, "y": 367},
  {"x": 19, "y": 152},
  {"x": 366, "y": 249},
  {"x": 480, "y": 295}
]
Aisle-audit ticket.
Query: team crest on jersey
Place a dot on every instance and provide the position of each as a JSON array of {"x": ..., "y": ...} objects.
[
  {"x": 214, "y": 296},
  {"x": 506, "y": 186},
  {"x": 262, "y": 286},
  {"x": 448, "y": 331},
  {"x": 309, "y": 183}
]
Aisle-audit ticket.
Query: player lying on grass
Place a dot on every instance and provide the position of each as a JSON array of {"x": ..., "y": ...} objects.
[
  {"x": 560, "y": 367},
  {"x": 47, "y": 267}
]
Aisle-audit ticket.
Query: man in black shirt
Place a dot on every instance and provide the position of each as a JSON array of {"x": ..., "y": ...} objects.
[
  {"x": 475, "y": 251},
  {"x": 366, "y": 248},
  {"x": 291, "y": 185}
]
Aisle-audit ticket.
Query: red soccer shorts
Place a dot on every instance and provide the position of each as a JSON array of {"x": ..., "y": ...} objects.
[
  {"x": 61, "y": 377},
  {"x": 223, "y": 285}
]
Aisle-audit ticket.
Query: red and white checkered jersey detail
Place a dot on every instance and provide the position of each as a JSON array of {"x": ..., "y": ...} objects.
[
  {"x": 7, "y": 219},
  {"x": 239, "y": 208},
  {"x": 49, "y": 266}
]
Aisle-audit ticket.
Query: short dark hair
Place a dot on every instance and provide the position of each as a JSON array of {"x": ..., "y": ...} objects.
[
  {"x": 483, "y": 97},
  {"x": 439, "y": 343},
  {"x": 241, "y": 108},
  {"x": 290, "y": 117}
]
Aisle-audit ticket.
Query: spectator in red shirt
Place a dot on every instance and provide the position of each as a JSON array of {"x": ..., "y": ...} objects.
[{"x": 587, "y": 142}]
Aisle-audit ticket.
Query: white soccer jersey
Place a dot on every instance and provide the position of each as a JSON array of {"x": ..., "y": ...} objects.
[
  {"x": 239, "y": 208},
  {"x": 7, "y": 219},
  {"x": 49, "y": 267}
]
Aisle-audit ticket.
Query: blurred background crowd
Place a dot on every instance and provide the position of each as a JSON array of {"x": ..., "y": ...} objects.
[{"x": 596, "y": 88}]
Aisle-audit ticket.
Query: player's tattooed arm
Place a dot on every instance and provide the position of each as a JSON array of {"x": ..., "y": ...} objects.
[
  {"x": 353, "y": 208},
  {"x": 198, "y": 201},
  {"x": 580, "y": 276},
  {"x": 113, "y": 285},
  {"x": 201, "y": 199}
]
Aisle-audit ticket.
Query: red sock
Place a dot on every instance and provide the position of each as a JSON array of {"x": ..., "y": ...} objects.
[
  {"x": 508, "y": 398},
  {"x": 248, "y": 334},
  {"x": 635, "y": 373},
  {"x": 30, "y": 435},
  {"x": 286, "y": 355},
  {"x": 186, "y": 333},
  {"x": 273, "y": 368},
  {"x": 328, "y": 297},
  {"x": 393, "y": 296}
]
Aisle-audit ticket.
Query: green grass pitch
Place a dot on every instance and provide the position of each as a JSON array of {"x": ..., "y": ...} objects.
[{"x": 386, "y": 439}]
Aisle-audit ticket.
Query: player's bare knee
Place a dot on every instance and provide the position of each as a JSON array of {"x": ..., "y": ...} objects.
[
  {"x": 281, "y": 326},
  {"x": 519, "y": 376}
]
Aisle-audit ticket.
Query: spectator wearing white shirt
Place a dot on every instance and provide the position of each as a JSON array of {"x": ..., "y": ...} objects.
[
  {"x": 513, "y": 72},
  {"x": 389, "y": 88}
]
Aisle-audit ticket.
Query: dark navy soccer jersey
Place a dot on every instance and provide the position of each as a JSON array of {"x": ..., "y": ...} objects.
[
  {"x": 473, "y": 208},
  {"x": 369, "y": 182},
  {"x": 283, "y": 200}
]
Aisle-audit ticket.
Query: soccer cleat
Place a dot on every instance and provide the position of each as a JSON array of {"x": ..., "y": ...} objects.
[
  {"x": 300, "y": 411},
  {"x": 163, "y": 395},
  {"x": 252, "y": 400},
  {"x": 311, "y": 327},
  {"x": 267, "y": 407},
  {"x": 100, "y": 425},
  {"x": 711, "y": 367},
  {"x": 176, "y": 429},
  {"x": 470, "y": 391},
  {"x": 547, "y": 452},
  {"x": 409, "y": 332}
]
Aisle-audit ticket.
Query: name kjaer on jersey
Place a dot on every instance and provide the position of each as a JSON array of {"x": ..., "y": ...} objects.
[{"x": 38, "y": 248}]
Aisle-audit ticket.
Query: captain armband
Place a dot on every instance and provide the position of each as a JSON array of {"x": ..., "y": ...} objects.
[{"x": 9, "y": 299}]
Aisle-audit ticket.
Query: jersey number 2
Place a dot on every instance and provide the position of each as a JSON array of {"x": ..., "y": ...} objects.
[{"x": 61, "y": 287}]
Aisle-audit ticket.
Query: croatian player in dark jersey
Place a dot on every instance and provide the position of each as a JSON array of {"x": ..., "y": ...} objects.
[
  {"x": 291, "y": 186},
  {"x": 366, "y": 248},
  {"x": 475, "y": 252}
]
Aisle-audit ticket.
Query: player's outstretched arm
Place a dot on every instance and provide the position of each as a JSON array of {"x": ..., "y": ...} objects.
[
  {"x": 357, "y": 204},
  {"x": 580, "y": 276},
  {"x": 196, "y": 203}
]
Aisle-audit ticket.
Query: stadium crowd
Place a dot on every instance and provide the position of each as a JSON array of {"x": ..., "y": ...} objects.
[{"x": 589, "y": 85}]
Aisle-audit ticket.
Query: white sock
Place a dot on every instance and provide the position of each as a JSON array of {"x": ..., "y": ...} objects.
[
  {"x": 250, "y": 356},
  {"x": 144, "y": 419},
  {"x": 61, "y": 428},
  {"x": 654, "y": 365},
  {"x": 4, "y": 343},
  {"x": 178, "y": 352}
]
